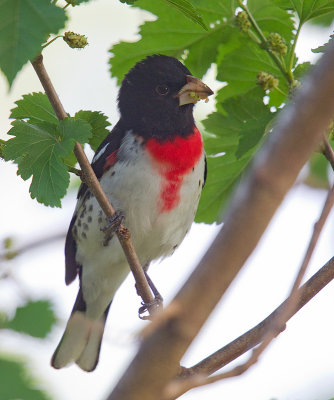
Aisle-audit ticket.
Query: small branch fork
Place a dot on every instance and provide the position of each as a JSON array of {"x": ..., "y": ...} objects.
[
  {"x": 197, "y": 375},
  {"x": 90, "y": 179}
]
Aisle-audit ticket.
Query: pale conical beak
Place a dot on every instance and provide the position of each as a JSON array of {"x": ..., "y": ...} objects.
[{"x": 193, "y": 91}]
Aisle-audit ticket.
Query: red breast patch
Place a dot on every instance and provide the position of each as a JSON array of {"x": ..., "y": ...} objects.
[{"x": 175, "y": 159}]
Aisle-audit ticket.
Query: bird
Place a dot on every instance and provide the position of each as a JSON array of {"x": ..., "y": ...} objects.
[{"x": 152, "y": 167}]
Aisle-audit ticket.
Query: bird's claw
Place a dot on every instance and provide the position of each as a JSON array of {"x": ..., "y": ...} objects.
[
  {"x": 156, "y": 303},
  {"x": 114, "y": 223}
]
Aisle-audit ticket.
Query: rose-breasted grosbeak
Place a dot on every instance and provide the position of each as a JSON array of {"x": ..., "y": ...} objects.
[{"x": 152, "y": 167}]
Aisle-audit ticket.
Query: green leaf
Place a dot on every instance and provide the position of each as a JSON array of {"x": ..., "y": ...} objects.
[
  {"x": 39, "y": 149},
  {"x": 17, "y": 383},
  {"x": 76, "y": 2},
  {"x": 253, "y": 117},
  {"x": 34, "y": 107},
  {"x": 317, "y": 172},
  {"x": 235, "y": 138},
  {"x": 239, "y": 62},
  {"x": 302, "y": 69},
  {"x": 172, "y": 34},
  {"x": 35, "y": 318},
  {"x": 99, "y": 123},
  {"x": 324, "y": 20},
  {"x": 323, "y": 48},
  {"x": 308, "y": 9},
  {"x": 188, "y": 10},
  {"x": 24, "y": 26}
]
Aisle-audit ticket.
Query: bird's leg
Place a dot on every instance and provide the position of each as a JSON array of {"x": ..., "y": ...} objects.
[
  {"x": 158, "y": 299},
  {"x": 113, "y": 225},
  {"x": 155, "y": 291}
]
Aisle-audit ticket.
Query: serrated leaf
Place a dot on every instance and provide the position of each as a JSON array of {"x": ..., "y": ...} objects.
[
  {"x": 17, "y": 383},
  {"x": 35, "y": 318},
  {"x": 308, "y": 9},
  {"x": 24, "y": 26},
  {"x": 34, "y": 107},
  {"x": 99, "y": 123},
  {"x": 188, "y": 10},
  {"x": 39, "y": 149},
  {"x": 323, "y": 48},
  {"x": 301, "y": 70},
  {"x": 229, "y": 150},
  {"x": 172, "y": 34}
]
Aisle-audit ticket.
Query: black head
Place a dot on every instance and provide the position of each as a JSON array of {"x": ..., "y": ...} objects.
[{"x": 147, "y": 98}]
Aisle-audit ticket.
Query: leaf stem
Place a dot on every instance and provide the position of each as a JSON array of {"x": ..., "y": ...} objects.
[
  {"x": 280, "y": 91},
  {"x": 292, "y": 51},
  {"x": 74, "y": 170},
  {"x": 263, "y": 42},
  {"x": 52, "y": 40}
]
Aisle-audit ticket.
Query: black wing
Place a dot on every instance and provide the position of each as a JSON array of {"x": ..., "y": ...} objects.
[
  {"x": 205, "y": 171},
  {"x": 109, "y": 145}
]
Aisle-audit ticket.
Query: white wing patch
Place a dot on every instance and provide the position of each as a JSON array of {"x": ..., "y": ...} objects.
[{"x": 99, "y": 154}]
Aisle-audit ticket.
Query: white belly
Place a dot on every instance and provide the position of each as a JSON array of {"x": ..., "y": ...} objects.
[{"x": 134, "y": 188}]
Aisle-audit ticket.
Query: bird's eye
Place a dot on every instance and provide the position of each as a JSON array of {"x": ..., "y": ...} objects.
[{"x": 162, "y": 89}]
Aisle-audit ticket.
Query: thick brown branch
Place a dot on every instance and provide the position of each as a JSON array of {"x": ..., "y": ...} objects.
[
  {"x": 93, "y": 183},
  {"x": 298, "y": 132}
]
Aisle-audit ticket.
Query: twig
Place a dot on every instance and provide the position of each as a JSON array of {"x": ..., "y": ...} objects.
[
  {"x": 11, "y": 253},
  {"x": 278, "y": 325},
  {"x": 328, "y": 151},
  {"x": 93, "y": 183},
  {"x": 297, "y": 133},
  {"x": 197, "y": 375}
]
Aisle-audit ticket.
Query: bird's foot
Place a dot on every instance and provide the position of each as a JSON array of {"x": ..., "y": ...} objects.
[
  {"x": 114, "y": 225},
  {"x": 156, "y": 303}
]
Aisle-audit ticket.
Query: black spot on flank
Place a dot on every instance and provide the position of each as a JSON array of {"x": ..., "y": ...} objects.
[
  {"x": 175, "y": 247},
  {"x": 90, "y": 207},
  {"x": 75, "y": 231},
  {"x": 193, "y": 169},
  {"x": 199, "y": 183},
  {"x": 83, "y": 212},
  {"x": 100, "y": 213},
  {"x": 85, "y": 226},
  {"x": 89, "y": 219},
  {"x": 84, "y": 236},
  {"x": 79, "y": 222},
  {"x": 100, "y": 220},
  {"x": 113, "y": 173}
]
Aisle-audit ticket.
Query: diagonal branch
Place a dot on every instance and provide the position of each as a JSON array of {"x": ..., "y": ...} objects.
[
  {"x": 197, "y": 375},
  {"x": 93, "y": 183},
  {"x": 298, "y": 131}
]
